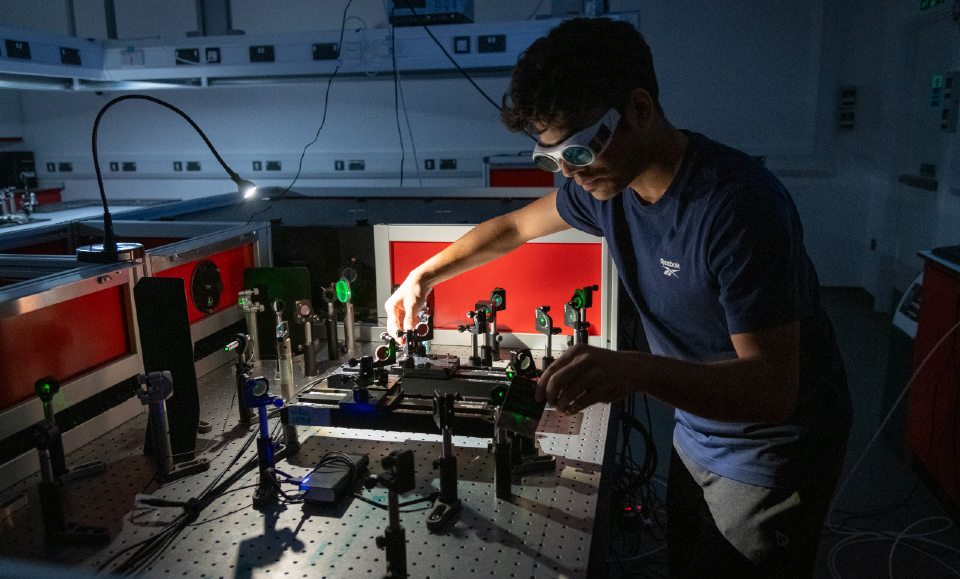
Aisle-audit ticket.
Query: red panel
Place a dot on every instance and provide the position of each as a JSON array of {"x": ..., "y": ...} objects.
[
  {"x": 48, "y": 195},
  {"x": 535, "y": 274},
  {"x": 51, "y": 247},
  {"x": 44, "y": 196},
  {"x": 520, "y": 178},
  {"x": 64, "y": 340},
  {"x": 231, "y": 262},
  {"x": 934, "y": 403}
]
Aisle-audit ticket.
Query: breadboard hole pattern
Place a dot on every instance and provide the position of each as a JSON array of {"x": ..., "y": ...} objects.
[{"x": 544, "y": 531}]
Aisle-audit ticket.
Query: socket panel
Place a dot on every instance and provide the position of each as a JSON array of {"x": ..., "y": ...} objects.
[
  {"x": 82, "y": 64},
  {"x": 70, "y": 56},
  {"x": 262, "y": 53},
  {"x": 187, "y": 56},
  {"x": 19, "y": 49}
]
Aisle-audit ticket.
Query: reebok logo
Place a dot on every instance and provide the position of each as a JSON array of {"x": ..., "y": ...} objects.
[{"x": 670, "y": 268}]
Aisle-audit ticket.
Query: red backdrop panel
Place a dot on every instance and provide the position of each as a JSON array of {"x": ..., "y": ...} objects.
[
  {"x": 520, "y": 178},
  {"x": 231, "y": 263},
  {"x": 535, "y": 274},
  {"x": 935, "y": 395},
  {"x": 63, "y": 340},
  {"x": 51, "y": 247}
]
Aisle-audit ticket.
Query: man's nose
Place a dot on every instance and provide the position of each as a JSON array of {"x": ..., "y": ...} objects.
[{"x": 568, "y": 169}]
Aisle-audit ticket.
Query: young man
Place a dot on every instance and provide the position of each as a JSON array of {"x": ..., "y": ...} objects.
[{"x": 709, "y": 247}]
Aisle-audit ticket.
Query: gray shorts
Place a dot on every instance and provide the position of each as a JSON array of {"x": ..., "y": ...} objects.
[{"x": 757, "y": 521}]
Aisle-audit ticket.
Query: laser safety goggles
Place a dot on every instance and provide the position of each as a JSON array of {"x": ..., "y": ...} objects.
[{"x": 581, "y": 148}]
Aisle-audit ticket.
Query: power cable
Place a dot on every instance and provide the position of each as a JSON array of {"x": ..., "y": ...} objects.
[{"x": 323, "y": 118}]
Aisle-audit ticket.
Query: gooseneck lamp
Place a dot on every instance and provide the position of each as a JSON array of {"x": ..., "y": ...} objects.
[{"x": 110, "y": 251}]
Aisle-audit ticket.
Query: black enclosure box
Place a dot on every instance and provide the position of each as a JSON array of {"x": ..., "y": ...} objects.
[{"x": 12, "y": 163}]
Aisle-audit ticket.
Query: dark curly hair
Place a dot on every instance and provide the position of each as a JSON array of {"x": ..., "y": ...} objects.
[{"x": 581, "y": 66}]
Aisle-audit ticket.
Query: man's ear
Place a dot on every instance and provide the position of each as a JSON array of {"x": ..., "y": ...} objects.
[{"x": 640, "y": 108}]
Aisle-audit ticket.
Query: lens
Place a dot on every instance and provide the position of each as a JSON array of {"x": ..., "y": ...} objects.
[
  {"x": 578, "y": 156},
  {"x": 546, "y": 163}
]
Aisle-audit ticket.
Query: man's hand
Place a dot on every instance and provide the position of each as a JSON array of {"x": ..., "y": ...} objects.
[
  {"x": 585, "y": 375},
  {"x": 405, "y": 303}
]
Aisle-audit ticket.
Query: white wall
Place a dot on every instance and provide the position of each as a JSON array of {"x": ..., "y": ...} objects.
[
  {"x": 45, "y": 15},
  {"x": 447, "y": 117},
  {"x": 11, "y": 116},
  {"x": 876, "y": 57},
  {"x": 758, "y": 75}
]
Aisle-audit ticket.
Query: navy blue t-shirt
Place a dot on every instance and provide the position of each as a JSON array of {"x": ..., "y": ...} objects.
[{"x": 722, "y": 253}]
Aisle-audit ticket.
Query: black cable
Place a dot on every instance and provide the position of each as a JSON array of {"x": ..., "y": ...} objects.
[
  {"x": 540, "y": 3},
  {"x": 457, "y": 65},
  {"x": 933, "y": 431},
  {"x": 323, "y": 118},
  {"x": 151, "y": 548},
  {"x": 396, "y": 97}
]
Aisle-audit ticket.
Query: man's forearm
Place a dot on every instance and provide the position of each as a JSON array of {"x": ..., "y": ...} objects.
[
  {"x": 739, "y": 390},
  {"x": 484, "y": 243}
]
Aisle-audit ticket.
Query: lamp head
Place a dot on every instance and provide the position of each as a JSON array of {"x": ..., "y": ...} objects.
[{"x": 247, "y": 188}]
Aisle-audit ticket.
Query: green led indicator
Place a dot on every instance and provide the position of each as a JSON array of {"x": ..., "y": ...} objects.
[
  {"x": 343, "y": 291},
  {"x": 577, "y": 300},
  {"x": 242, "y": 301},
  {"x": 44, "y": 389},
  {"x": 498, "y": 300},
  {"x": 511, "y": 374},
  {"x": 542, "y": 320}
]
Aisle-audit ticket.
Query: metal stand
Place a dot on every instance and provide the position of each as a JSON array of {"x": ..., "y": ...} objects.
[
  {"x": 475, "y": 357},
  {"x": 250, "y": 309},
  {"x": 483, "y": 358},
  {"x": 544, "y": 325},
  {"x": 575, "y": 313},
  {"x": 448, "y": 505},
  {"x": 333, "y": 345},
  {"x": 267, "y": 484},
  {"x": 45, "y": 388},
  {"x": 155, "y": 388},
  {"x": 56, "y": 528},
  {"x": 243, "y": 344},
  {"x": 498, "y": 303},
  {"x": 398, "y": 479},
  {"x": 306, "y": 317},
  {"x": 345, "y": 296}
]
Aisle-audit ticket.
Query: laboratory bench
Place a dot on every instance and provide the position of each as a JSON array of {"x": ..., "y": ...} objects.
[{"x": 555, "y": 524}]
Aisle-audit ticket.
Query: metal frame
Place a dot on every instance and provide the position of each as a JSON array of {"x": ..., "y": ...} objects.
[
  {"x": 208, "y": 239},
  {"x": 30, "y": 296},
  {"x": 384, "y": 234},
  {"x": 50, "y": 232},
  {"x": 27, "y": 267}
]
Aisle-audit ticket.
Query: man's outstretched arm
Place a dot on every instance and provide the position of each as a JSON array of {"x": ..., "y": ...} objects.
[{"x": 484, "y": 243}]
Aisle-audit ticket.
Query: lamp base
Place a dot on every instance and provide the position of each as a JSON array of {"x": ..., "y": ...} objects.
[{"x": 97, "y": 254}]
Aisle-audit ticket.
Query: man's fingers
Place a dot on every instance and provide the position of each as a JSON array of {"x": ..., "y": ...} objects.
[
  {"x": 408, "y": 318},
  {"x": 564, "y": 385},
  {"x": 547, "y": 377},
  {"x": 578, "y": 403}
]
